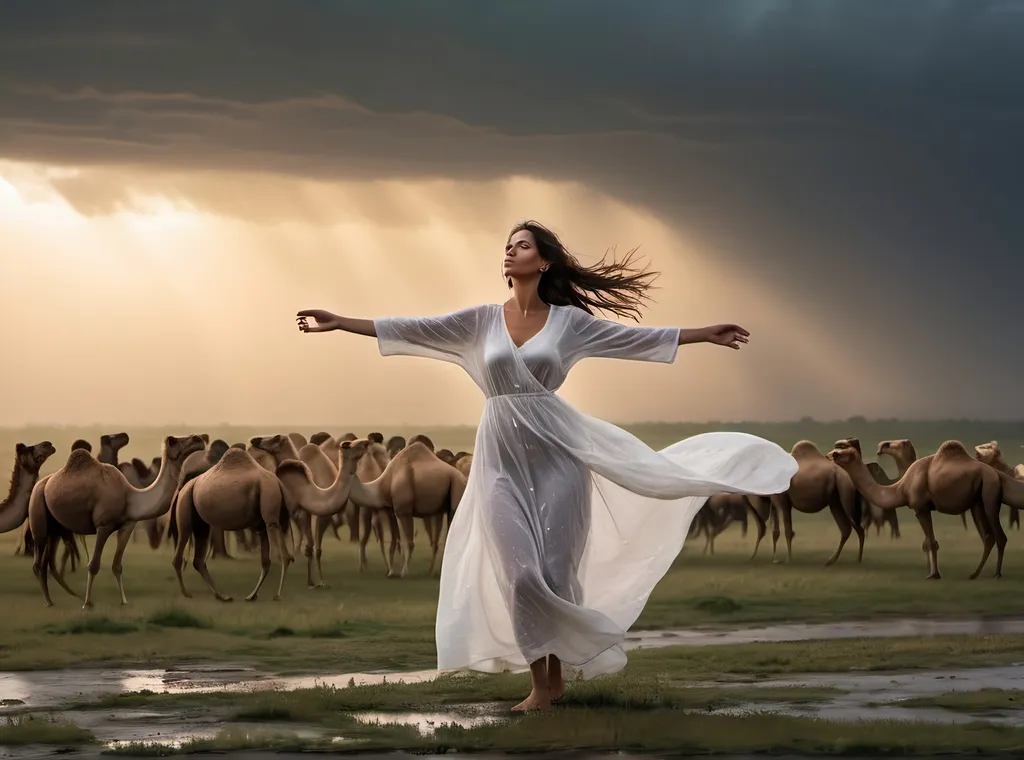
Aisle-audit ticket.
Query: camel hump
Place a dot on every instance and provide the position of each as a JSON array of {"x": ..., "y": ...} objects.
[
  {"x": 805, "y": 449},
  {"x": 236, "y": 458},
  {"x": 80, "y": 460},
  {"x": 294, "y": 467},
  {"x": 952, "y": 449}
]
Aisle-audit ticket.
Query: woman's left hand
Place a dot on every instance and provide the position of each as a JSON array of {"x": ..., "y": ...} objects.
[{"x": 727, "y": 335}]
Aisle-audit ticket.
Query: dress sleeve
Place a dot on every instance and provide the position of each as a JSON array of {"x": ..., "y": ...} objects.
[
  {"x": 590, "y": 336},
  {"x": 447, "y": 337}
]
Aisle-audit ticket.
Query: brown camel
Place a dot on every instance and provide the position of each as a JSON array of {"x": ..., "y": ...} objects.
[
  {"x": 317, "y": 438},
  {"x": 722, "y": 509},
  {"x": 298, "y": 440},
  {"x": 27, "y": 462},
  {"x": 817, "y": 484},
  {"x": 446, "y": 455},
  {"x": 949, "y": 481},
  {"x": 904, "y": 454},
  {"x": 332, "y": 448},
  {"x": 88, "y": 497},
  {"x": 281, "y": 448},
  {"x": 871, "y": 514},
  {"x": 195, "y": 465},
  {"x": 463, "y": 462},
  {"x": 324, "y": 473},
  {"x": 990, "y": 454},
  {"x": 237, "y": 493},
  {"x": 369, "y": 520},
  {"x": 415, "y": 483}
]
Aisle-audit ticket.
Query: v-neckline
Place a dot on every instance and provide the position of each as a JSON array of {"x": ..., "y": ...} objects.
[{"x": 504, "y": 325}]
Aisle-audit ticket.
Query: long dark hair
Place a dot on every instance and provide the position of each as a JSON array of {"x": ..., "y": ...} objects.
[{"x": 615, "y": 286}]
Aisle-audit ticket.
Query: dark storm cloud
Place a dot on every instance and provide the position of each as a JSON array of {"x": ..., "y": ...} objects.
[{"x": 863, "y": 157}]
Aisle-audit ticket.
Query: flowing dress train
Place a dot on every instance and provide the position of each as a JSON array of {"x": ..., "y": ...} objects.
[{"x": 568, "y": 522}]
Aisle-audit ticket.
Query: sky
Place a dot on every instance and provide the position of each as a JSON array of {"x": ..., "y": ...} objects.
[{"x": 842, "y": 178}]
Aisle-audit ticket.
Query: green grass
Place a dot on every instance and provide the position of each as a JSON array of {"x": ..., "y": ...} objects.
[
  {"x": 365, "y": 621},
  {"x": 41, "y": 729},
  {"x": 971, "y": 701}
]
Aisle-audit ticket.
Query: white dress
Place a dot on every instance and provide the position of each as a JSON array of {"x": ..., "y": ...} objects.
[{"x": 567, "y": 522}]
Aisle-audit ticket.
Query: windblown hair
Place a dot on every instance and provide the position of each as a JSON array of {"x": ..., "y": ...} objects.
[{"x": 615, "y": 286}]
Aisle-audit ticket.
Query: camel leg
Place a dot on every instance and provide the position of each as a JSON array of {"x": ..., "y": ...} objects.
[
  {"x": 389, "y": 561},
  {"x": 102, "y": 534},
  {"x": 219, "y": 544},
  {"x": 406, "y": 526},
  {"x": 991, "y": 513},
  {"x": 304, "y": 521},
  {"x": 987, "y": 537},
  {"x": 264, "y": 566},
  {"x": 845, "y": 528},
  {"x": 183, "y": 513},
  {"x": 321, "y": 524},
  {"x": 963, "y": 519},
  {"x": 1015, "y": 517},
  {"x": 930, "y": 545},
  {"x": 762, "y": 529},
  {"x": 786, "y": 508},
  {"x": 200, "y": 552},
  {"x": 58, "y": 575},
  {"x": 364, "y": 527},
  {"x": 124, "y": 535},
  {"x": 434, "y": 524},
  {"x": 353, "y": 516},
  {"x": 275, "y": 534},
  {"x": 776, "y": 531},
  {"x": 395, "y": 533}
]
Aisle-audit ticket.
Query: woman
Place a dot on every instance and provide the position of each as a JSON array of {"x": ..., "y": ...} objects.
[{"x": 567, "y": 522}]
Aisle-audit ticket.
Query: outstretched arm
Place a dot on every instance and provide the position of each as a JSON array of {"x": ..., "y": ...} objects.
[
  {"x": 590, "y": 336},
  {"x": 447, "y": 337}
]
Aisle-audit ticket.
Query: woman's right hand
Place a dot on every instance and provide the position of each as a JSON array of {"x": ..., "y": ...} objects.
[{"x": 325, "y": 321}]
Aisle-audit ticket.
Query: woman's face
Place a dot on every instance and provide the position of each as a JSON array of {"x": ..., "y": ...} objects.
[{"x": 522, "y": 258}]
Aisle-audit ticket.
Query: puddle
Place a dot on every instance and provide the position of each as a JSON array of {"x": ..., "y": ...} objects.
[
  {"x": 51, "y": 688},
  {"x": 464, "y": 716},
  {"x": 877, "y": 696}
]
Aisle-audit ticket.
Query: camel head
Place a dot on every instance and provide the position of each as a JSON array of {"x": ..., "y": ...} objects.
[
  {"x": 425, "y": 440},
  {"x": 855, "y": 442},
  {"x": 844, "y": 454},
  {"x": 31, "y": 458},
  {"x": 376, "y": 438},
  {"x": 895, "y": 447},
  {"x": 175, "y": 448},
  {"x": 317, "y": 438},
  {"x": 352, "y": 452},
  {"x": 395, "y": 444},
  {"x": 115, "y": 441},
  {"x": 269, "y": 443},
  {"x": 988, "y": 453},
  {"x": 350, "y": 437},
  {"x": 81, "y": 444},
  {"x": 218, "y": 448}
]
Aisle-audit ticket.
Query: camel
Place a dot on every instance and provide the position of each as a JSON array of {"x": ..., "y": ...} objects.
[
  {"x": 949, "y": 481},
  {"x": 817, "y": 484},
  {"x": 317, "y": 438},
  {"x": 28, "y": 459},
  {"x": 395, "y": 444},
  {"x": 237, "y": 493},
  {"x": 298, "y": 440},
  {"x": 415, "y": 483},
  {"x": 368, "y": 519},
  {"x": 990, "y": 454},
  {"x": 904, "y": 454},
  {"x": 723, "y": 509},
  {"x": 281, "y": 448},
  {"x": 872, "y": 515},
  {"x": 446, "y": 455},
  {"x": 88, "y": 497},
  {"x": 323, "y": 472},
  {"x": 195, "y": 465},
  {"x": 110, "y": 445}
]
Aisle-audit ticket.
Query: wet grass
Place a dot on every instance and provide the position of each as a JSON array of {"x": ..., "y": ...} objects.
[
  {"x": 366, "y": 621},
  {"x": 41, "y": 729},
  {"x": 971, "y": 701}
]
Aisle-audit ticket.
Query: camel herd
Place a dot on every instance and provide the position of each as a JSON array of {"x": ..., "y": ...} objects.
[
  {"x": 279, "y": 492},
  {"x": 283, "y": 493},
  {"x": 860, "y": 495}
]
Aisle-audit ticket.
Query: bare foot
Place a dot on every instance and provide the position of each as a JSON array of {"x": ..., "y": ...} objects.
[{"x": 538, "y": 700}]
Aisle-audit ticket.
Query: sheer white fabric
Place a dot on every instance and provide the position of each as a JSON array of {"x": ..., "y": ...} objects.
[{"x": 568, "y": 522}]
